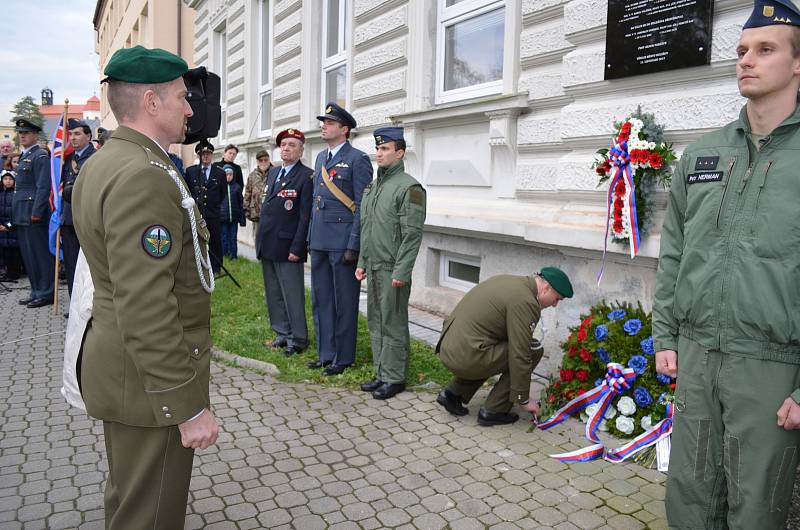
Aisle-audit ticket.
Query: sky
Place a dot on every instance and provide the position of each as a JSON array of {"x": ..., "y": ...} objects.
[{"x": 47, "y": 43}]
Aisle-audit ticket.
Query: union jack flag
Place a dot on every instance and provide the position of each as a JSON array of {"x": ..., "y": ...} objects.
[{"x": 60, "y": 138}]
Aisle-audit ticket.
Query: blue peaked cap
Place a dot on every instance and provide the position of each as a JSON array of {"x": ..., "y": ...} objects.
[
  {"x": 772, "y": 13},
  {"x": 387, "y": 134}
]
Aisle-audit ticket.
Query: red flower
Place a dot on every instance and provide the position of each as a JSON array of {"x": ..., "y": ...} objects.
[
  {"x": 672, "y": 386},
  {"x": 626, "y": 126},
  {"x": 551, "y": 398},
  {"x": 587, "y": 322},
  {"x": 619, "y": 187},
  {"x": 656, "y": 160},
  {"x": 586, "y": 356},
  {"x": 567, "y": 375},
  {"x": 618, "y": 226},
  {"x": 619, "y": 204},
  {"x": 556, "y": 385},
  {"x": 582, "y": 334},
  {"x": 581, "y": 375},
  {"x": 581, "y": 391}
]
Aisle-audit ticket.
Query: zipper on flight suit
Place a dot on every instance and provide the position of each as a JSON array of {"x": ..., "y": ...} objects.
[
  {"x": 725, "y": 189},
  {"x": 761, "y": 187}
]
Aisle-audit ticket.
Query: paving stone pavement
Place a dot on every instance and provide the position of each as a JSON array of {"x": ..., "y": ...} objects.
[{"x": 303, "y": 456}]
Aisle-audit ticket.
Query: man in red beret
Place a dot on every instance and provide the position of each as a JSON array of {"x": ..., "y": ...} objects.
[{"x": 281, "y": 242}]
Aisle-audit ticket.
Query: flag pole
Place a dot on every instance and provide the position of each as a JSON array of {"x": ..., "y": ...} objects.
[{"x": 64, "y": 141}]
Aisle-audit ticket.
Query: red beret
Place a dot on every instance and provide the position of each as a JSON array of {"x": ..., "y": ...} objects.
[{"x": 290, "y": 133}]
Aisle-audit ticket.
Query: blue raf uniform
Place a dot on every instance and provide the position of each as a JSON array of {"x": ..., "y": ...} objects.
[
  {"x": 282, "y": 230},
  {"x": 30, "y": 213},
  {"x": 206, "y": 184},
  {"x": 69, "y": 174},
  {"x": 334, "y": 230}
]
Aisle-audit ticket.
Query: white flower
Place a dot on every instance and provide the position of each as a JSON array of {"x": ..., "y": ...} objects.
[
  {"x": 624, "y": 424},
  {"x": 603, "y": 427},
  {"x": 610, "y": 412},
  {"x": 646, "y": 423},
  {"x": 626, "y": 406},
  {"x": 651, "y": 145},
  {"x": 591, "y": 409}
]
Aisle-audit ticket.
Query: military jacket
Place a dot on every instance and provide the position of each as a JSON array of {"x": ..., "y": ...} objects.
[
  {"x": 207, "y": 194},
  {"x": 392, "y": 218},
  {"x": 69, "y": 174},
  {"x": 145, "y": 356},
  {"x": 729, "y": 269},
  {"x": 285, "y": 214},
  {"x": 333, "y": 226},
  {"x": 254, "y": 193},
  {"x": 32, "y": 195},
  {"x": 503, "y": 308}
]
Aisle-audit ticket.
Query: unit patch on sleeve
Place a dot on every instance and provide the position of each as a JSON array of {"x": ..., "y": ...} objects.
[
  {"x": 156, "y": 241},
  {"x": 416, "y": 196}
]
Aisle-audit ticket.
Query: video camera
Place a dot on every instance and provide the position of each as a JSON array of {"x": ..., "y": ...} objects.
[{"x": 203, "y": 96}]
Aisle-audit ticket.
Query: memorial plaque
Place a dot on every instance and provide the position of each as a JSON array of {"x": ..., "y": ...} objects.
[{"x": 646, "y": 36}]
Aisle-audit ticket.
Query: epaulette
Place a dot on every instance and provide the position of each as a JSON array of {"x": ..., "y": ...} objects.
[{"x": 154, "y": 161}]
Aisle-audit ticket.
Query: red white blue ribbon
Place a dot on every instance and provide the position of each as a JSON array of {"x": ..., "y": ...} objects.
[
  {"x": 618, "y": 379},
  {"x": 661, "y": 430},
  {"x": 621, "y": 160}
]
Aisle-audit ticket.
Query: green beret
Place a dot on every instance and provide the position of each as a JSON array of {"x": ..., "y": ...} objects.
[
  {"x": 145, "y": 66},
  {"x": 557, "y": 280}
]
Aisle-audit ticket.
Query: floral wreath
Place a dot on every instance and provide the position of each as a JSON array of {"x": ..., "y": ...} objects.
[{"x": 637, "y": 160}]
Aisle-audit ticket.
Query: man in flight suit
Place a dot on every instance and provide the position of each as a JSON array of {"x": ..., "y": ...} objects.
[{"x": 392, "y": 217}]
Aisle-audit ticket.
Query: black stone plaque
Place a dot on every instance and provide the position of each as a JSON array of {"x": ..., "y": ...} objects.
[{"x": 646, "y": 36}]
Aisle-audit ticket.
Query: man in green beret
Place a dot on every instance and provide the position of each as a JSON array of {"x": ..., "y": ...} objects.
[
  {"x": 490, "y": 332},
  {"x": 145, "y": 356}
]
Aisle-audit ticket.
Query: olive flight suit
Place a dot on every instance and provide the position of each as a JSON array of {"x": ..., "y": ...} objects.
[{"x": 392, "y": 218}]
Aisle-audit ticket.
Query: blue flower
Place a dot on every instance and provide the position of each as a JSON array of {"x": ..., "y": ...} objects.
[
  {"x": 647, "y": 346},
  {"x": 632, "y": 326},
  {"x": 598, "y": 382},
  {"x": 617, "y": 314},
  {"x": 600, "y": 333},
  {"x": 603, "y": 354},
  {"x": 642, "y": 397},
  {"x": 638, "y": 363},
  {"x": 665, "y": 379}
]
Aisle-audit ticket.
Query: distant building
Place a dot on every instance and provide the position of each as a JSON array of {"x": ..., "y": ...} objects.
[
  {"x": 88, "y": 112},
  {"x": 150, "y": 23}
]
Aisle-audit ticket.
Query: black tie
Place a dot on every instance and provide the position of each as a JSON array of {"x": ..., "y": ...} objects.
[
  {"x": 330, "y": 155},
  {"x": 280, "y": 175},
  {"x": 205, "y": 175}
]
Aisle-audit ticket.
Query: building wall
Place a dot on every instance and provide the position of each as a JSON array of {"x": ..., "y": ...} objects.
[
  {"x": 166, "y": 24},
  {"x": 508, "y": 174}
]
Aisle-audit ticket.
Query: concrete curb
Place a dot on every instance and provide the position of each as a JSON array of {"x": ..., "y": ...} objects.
[{"x": 244, "y": 362}]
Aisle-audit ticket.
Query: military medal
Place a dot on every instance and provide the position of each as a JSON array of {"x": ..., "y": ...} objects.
[
  {"x": 288, "y": 205},
  {"x": 156, "y": 241}
]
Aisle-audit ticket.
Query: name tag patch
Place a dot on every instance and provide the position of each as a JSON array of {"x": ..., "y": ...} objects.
[{"x": 705, "y": 176}]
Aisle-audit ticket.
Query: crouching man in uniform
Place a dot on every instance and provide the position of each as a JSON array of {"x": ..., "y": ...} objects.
[
  {"x": 489, "y": 333},
  {"x": 145, "y": 357}
]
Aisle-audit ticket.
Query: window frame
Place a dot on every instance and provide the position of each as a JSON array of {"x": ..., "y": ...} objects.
[
  {"x": 447, "y": 17},
  {"x": 265, "y": 88},
  {"x": 339, "y": 59},
  {"x": 445, "y": 280},
  {"x": 220, "y": 50}
]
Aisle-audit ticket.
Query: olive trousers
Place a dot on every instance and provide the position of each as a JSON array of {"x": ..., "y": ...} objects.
[{"x": 387, "y": 319}]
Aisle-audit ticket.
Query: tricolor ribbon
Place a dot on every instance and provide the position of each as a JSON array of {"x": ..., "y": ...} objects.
[
  {"x": 618, "y": 379},
  {"x": 660, "y": 430},
  {"x": 621, "y": 160}
]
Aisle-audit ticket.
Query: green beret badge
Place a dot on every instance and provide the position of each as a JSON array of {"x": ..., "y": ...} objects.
[{"x": 156, "y": 241}]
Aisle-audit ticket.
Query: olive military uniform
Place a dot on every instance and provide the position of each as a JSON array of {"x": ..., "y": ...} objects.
[
  {"x": 145, "y": 356},
  {"x": 392, "y": 217},
  {"x": 489, "y": 333},
  {"x": 726, "y": 300}
]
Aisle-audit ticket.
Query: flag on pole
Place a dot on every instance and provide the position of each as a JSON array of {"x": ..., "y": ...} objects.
[{"x": 60, "y": 143}]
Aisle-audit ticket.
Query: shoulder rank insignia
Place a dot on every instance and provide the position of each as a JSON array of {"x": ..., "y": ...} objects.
[{"x": 156, "y": 241}]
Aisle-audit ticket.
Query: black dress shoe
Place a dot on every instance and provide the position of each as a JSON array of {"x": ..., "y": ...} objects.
[
  {"x": 25, "y": 301},
  {"x": 276, "y": 343},
  {"x": 39, "y": 302},
  {"x": 316, "y": 365},
  {"x": 388, "y": 390},
  {"x": 371, "y": 386},
  {"x": 451, "y": 403},
  {"x": 487, "y": 418},
  {"x": 336, "y": 369},
  {"x": 292, "y": 350}
]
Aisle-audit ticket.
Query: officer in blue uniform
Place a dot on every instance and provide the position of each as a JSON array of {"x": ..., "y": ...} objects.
[
  {"x": 206, "y": 183},
  {"x": 341, "y": 173},
  {"x": 80, "y": 136},
  {"x": 30, "y": 213}
]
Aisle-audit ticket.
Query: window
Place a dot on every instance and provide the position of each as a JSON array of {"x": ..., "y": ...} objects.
[
  {"x": 220, "y": 52},
  {"x": 334, "y": 52},
  {"x": 264, "y": 66},
  {"x": 459, "y": 272},
  {"x": 470, "y": 49}
]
